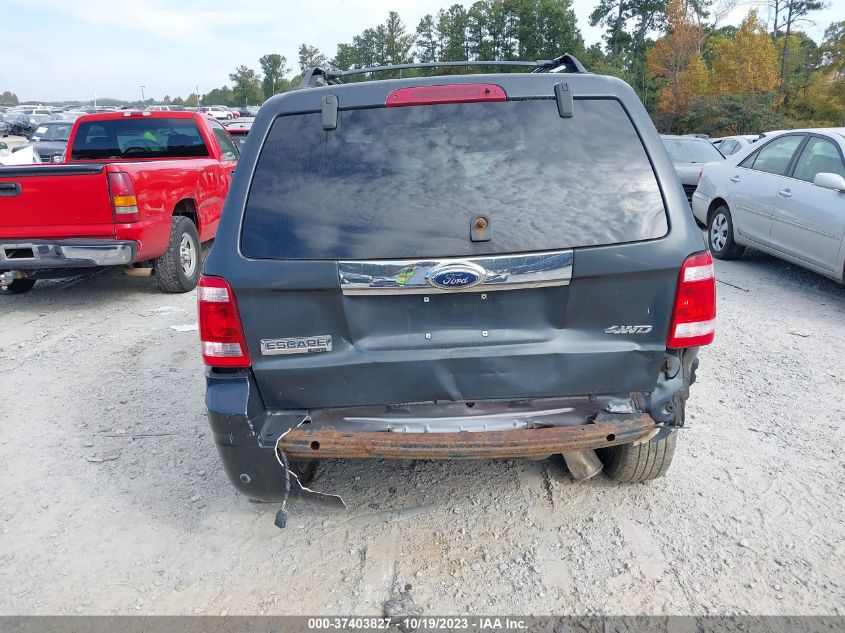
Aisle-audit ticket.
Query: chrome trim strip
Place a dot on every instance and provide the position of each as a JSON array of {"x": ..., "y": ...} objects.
[{"x": 502, "y": 272}]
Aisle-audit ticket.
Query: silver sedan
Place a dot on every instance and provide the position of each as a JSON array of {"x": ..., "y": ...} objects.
[{"x": 784, "y": 195}]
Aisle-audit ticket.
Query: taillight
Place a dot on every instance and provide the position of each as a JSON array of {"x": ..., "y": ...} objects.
[
  {"x": 454, "y": 93},
  {"x": 694, "y": 314},
  {"x": 123, "y": 199},
  {"x": 221, "y": 334}
]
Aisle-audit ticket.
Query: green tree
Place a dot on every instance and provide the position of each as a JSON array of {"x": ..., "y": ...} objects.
[
  {"x": 310, "y": 57},
  {"x": 9, "y": 98},
  {"x": 426, "y": 42},
  {"x": 726, "y": 114},
  {"x": 557, "y": 29},
  {"x": 246, "y": 88},
  {"x": 345, "y": 58},
  {"x": 397, "y": 41},
  {"x": 274, "y": 67},
  {"x": 787, "y": 14},
  {"x": 451, "y": 26},
  {"x": 218, "y": 96}
]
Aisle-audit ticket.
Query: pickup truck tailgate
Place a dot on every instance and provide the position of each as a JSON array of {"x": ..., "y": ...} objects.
[{"x": 61, "y": 201}]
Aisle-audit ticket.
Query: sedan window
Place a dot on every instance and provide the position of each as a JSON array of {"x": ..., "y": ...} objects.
[
  {"x": 774, "y": 158},
  {"x": 818, "y": 156},
  {"x": 729, "y": 147}
]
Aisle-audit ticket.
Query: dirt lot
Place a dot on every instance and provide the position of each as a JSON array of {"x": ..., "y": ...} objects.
[{"x": 114, "y": 501}]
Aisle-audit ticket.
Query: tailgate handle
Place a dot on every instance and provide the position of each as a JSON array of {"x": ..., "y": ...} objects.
[{"x": 10, "y": 189}]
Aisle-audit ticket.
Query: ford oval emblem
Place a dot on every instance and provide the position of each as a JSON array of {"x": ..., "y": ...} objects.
[{"x": 456, "y": 276}]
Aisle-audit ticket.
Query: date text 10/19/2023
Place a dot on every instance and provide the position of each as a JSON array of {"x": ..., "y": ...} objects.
[{"x": 417, "y": 623}]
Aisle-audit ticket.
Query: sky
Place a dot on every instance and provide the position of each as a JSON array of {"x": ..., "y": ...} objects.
[{"x": 75, "y": 49}]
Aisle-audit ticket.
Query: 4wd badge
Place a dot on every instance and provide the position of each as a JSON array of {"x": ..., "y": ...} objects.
[
  {"x": 628, "y": 329},
  {"x": 299, "y": 345}
]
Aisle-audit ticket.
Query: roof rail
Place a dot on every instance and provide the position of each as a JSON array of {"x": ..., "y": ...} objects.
[
  {"x": 322, "y": 77},
  {"x": 566, "y": 61}
]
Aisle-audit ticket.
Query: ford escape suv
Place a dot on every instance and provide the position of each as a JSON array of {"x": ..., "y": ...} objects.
[{"x": 453, "y": 267}]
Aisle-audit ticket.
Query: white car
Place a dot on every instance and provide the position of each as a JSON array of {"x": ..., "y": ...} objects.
[
  {"x": 784, "y": 195},
  {"x": 730, "y": 145},
  {"x": 219, "y": 112}
]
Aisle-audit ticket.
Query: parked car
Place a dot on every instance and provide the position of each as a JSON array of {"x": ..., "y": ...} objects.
[
  {"x": 39, "y": 111},
  {"x": 730, "y": 145},
  {"x": 25, "y": 124},
  {"x": 688, "y": 154},
  {"x": 139, "y": 189},
  {"x": 218, "y": 112},
  {"x": 239, "y": 131},
  {"x": 243, "y": 112},
  {"x": 787, "y": 198},
  {"x": 453, "y": 253},
  {"x": 4, "y": 127},
  {"x": 49, "y": 139}
]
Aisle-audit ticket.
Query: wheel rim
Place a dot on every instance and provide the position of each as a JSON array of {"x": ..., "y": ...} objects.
[
  {"x": 719, "y": 231},
  {"x": 188, "y": 255}
]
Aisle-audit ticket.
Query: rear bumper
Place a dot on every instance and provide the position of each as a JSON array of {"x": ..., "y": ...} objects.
[
  {"x": 23, "y": 254},
  {"x": 531, "y": 443},
  {"x": 700, "y": 203},
  {"x": 246, "y": 436}
]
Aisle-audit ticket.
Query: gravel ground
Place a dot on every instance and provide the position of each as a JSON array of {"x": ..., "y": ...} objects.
[{"x": 114, "y": 501}]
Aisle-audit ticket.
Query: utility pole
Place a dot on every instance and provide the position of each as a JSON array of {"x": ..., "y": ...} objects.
[
  {"x": 143, "y": 100},
  {"x": 198, "y": 95}
]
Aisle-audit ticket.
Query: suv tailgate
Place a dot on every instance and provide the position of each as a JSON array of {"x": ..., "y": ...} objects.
[
  {"x": 55, "y": 201},
  {"x": 403, "y": 188}
]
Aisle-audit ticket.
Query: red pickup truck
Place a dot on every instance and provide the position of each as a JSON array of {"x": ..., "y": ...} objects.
[{"x": 137, "y": 189}]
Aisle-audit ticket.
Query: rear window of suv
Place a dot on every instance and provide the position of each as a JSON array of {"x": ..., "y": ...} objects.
[{"x": 409, "y": 181}]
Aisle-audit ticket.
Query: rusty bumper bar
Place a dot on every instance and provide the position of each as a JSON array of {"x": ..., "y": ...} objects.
[{"x": 330, "y": 443}]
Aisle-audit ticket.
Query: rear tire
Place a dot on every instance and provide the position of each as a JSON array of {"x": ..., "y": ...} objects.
[
  {"x": 635, "y": 463},
  {"x": 19, "y": 286},
  {"x": 178, "y": 270},
  {"x": 720, "y": 235}
]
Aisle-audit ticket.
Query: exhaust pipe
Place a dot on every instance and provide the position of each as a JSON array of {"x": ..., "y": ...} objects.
[{"x": 583, "y": 465}]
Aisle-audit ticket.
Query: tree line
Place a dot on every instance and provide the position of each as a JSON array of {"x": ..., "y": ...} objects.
[{"x": 693, "y": 73}]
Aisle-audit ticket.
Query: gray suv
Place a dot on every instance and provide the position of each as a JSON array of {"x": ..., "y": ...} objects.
[{"x": 453, "y": 267}]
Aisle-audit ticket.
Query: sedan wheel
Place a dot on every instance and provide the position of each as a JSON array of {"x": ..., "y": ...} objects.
[{"x": 720, "y": 232}]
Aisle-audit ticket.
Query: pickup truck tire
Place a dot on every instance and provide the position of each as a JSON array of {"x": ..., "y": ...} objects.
[
  {"x": 634, "y": 463},
  {"x": 178, "y": 270},
  {"x": 19, "y": 286},
  {"x": 720, "y": 235}
]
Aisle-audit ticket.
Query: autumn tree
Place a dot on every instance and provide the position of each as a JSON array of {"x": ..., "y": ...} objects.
[
  {"x": 746, "y": 63},
  {"x": 676, "y": 65}
]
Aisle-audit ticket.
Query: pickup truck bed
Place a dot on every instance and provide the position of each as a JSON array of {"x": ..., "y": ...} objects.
[{"x": 141, "y": 189}]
